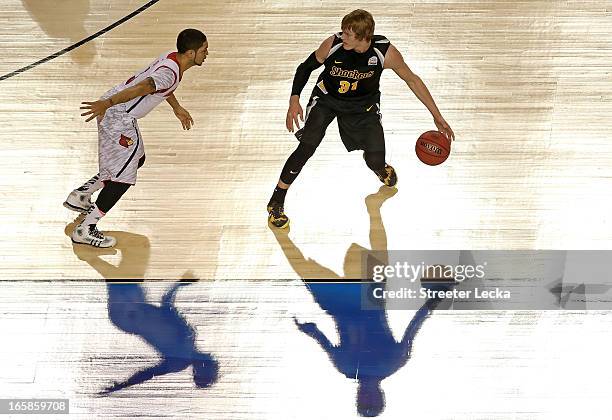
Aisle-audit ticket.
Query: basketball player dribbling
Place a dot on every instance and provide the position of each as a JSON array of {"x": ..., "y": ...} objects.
[
  {"x": 347, "y": 89},
  {"x": 120, "y": 147}
]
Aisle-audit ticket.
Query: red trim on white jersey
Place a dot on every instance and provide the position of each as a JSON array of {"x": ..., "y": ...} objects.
[{"x": 172, "y": 56}]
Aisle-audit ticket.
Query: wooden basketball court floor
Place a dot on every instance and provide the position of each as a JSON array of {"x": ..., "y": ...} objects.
[{"x": 525, "y": 86}]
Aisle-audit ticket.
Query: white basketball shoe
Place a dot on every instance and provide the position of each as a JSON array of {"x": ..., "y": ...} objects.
[
  {"x": 78, "y": 201},
  {"x": 90, "y": 235}
]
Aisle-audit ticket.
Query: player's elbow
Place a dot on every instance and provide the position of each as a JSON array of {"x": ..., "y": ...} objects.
[
  {"x": 412, "y": 80},
  {"x": 310, "y": 64},
  {"x": 303, "y": 71}
]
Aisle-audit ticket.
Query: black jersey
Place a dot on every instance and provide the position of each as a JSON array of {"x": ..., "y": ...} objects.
[{"x": 349, "y": 74}]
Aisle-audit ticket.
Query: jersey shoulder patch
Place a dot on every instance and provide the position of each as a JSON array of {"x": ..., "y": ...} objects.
[{"x": 380, "y": 45}]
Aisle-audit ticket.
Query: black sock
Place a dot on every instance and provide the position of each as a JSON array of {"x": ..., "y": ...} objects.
[{"x": 278, "y": 196}]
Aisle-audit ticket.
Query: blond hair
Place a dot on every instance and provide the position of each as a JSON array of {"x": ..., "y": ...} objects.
[{"x": 360, "y": 22}]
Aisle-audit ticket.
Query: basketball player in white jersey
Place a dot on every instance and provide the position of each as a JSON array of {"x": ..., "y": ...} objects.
[{"x": 120, "y": 146}]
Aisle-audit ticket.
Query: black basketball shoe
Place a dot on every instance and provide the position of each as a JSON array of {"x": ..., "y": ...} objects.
[
  {"x": 277, "y": 216},
  {"x": 388, "y": 176}
]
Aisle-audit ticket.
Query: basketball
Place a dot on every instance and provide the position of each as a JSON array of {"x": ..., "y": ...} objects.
[{"x": 432, "y": 148}]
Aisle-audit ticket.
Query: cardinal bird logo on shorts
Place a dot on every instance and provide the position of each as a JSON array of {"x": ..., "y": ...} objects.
[{"x": 125, "y": 141}]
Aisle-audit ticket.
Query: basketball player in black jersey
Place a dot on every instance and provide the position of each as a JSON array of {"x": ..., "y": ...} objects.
[{"x": 347, "y": 89}]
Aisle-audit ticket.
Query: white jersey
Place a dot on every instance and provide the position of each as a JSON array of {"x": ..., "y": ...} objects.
[{"x": 165, "y": 73}]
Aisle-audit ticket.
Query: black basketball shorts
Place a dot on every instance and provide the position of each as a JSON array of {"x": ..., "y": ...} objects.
[{"x": 359, "y": 121}]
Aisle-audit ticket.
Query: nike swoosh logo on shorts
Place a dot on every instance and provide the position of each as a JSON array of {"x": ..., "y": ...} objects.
[
  {"x": 291, "y": 172},
  {"x": 368, "y": 109}
]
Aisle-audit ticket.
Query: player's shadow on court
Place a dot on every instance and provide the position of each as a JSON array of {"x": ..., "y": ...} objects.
[
  {"x": 135, "y": 251},
  {"x": 164, "y": 329},
  {"x": 355, "y": 255},
  {"x": 64, "y": 20},
  {"x": 367, "y": 351}
]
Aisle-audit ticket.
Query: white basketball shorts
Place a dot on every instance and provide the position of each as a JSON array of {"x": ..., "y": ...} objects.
[{"x": 120, "y": 146}]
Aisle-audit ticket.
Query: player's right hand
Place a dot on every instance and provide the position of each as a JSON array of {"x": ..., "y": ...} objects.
[
  {"x": 295, "y": 109},
  {"x": 95, "y": 109},
  {"x": 306, "y": 327}
]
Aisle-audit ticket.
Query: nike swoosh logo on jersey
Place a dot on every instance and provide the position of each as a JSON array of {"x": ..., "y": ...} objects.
[
  {"x": 337, "y": 62},
  {"x": 368, "y": 109},
  {"x": 291, "y": 172}
]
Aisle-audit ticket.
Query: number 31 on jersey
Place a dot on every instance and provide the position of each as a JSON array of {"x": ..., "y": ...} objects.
[{"x": 345, "y": 86}]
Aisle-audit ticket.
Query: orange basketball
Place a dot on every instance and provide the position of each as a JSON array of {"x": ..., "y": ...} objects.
[{"x": 432, "y": 148}]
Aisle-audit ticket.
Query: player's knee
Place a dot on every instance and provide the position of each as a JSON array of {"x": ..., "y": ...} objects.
[
  {"x": 110, "y": 194},
  {"x": 296, "y": 162},
  {"x": 303, "y": 153},
  {"x": 117, "y": 189},
  {"x": 375, "y": 160}
]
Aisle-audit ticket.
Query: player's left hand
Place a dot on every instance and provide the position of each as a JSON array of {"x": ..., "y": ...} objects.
[
  {"x": 184, "y": 117},
  {"x": 444, "y": 128}
]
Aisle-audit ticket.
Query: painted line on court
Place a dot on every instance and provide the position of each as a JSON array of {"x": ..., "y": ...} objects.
[{"x": 78, "y": 44}]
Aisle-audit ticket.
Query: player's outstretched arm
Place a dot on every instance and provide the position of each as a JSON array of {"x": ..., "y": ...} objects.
[
  {"x": 302, "y": 74},
  {"x": 138, "y": 378},
  {"x": 163, "y": 368},
  {"x": 417, "y": 320},
  {"x": 168, "y": 298},
  {"x": 395, "y": 62},
  {"x": 181, "y": 113},
  {"x": 98, "y": 108}
]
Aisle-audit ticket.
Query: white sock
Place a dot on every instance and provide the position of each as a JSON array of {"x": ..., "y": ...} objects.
[
  {"x": 91, "y": 186},
  {"x": 93, "y": 216}
]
